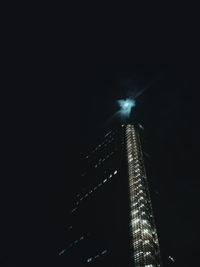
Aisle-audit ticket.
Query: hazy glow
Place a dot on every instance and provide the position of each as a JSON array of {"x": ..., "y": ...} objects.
[{"x": 126, "y": 105}]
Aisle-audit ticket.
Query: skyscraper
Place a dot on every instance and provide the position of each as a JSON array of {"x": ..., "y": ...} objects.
[{"x": 112, "y": 221}]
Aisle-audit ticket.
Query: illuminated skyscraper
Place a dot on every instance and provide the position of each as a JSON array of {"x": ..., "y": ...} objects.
[
  {"x": 144, "y": 240},
  {"x": 112, "y": 222}
]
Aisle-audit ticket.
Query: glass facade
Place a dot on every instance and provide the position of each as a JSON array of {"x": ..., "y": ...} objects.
[{"x": 111, "y": 222}]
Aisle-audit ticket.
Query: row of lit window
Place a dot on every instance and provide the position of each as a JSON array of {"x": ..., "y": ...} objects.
[
  {"x": 108, "y": 133},
  {"x": 142, "y": 253},
  {"x": 137, "y": 247},
  {"x": 138, "y": 254},
  {"x": 139, "y": 180},
  {"x": 130, "y": 148},
  {"x": 96, "y": 256},
  {"x": 130, "y": 133},
  {"x": 103, "y": 144},
  {"x": 134, "y": 154},
  {"x": 131, "y": 141},
  {"x": 135, "y": 221},
  {"x": 94, "y": 189},
  {"x": 138, "y": 198},
  {"x": 76, "y": 241},
  {"x": 72, "y": 244},
  {"x": 102, "y": 160},
  {"x": 139, "y": 241}
]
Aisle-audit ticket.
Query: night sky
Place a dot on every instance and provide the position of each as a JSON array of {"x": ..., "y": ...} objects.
[{"x": 65, "y": 104}]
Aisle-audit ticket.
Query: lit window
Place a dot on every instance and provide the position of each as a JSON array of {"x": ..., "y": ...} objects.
[
  {"x": 136, "y": 221},
  {"x": 62, "y": 252},
  {"x": 97, "y": 256},
  {"x": 89, "y": 259},
  {"x": 135, "y": 211},
  {"x": 74, "y": 209},
  {"x": 138, "y": 253},
  {"x": 172, "y": 259}
]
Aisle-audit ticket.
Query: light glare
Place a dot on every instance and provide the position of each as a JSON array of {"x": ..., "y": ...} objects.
[{"x": 126, "y": 106}]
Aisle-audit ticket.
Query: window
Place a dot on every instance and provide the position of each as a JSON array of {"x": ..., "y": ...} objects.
[
  {"x": 74, "y": 209},
  {"x": 97, "y": 256},
  {"x": 89, "y": 259},
  {"x": 62, "y": 252}
]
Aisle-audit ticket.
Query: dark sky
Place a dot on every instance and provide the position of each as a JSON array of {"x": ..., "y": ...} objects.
[{"x": 61, "y": 104}]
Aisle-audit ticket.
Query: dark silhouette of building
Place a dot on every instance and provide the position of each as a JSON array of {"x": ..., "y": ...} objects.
[{"x": 112, "y": 222}]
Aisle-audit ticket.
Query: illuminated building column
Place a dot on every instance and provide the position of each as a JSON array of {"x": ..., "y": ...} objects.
[{"x": 144, "y": 240}]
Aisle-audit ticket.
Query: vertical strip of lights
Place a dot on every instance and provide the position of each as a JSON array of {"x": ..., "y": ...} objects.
[{"x": 144, "y": 240}]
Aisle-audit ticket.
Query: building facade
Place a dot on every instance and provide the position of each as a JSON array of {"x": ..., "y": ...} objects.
[{"x": 111, "y": 222}]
